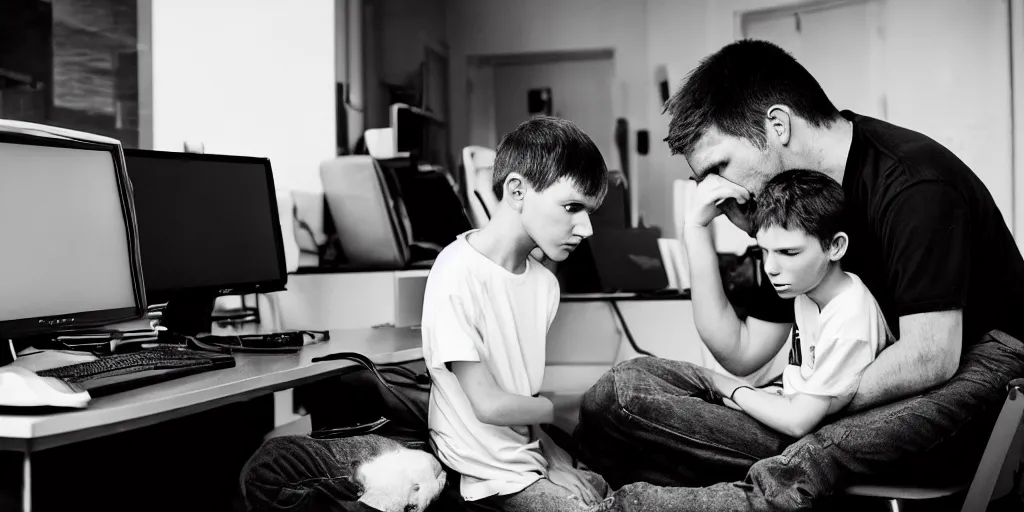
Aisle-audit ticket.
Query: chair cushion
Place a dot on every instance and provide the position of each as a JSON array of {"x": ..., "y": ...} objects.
[{"x": 903, "y": 492}]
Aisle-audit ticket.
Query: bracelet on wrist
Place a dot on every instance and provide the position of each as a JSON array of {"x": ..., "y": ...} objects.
[{"x": 733, "y": 394}]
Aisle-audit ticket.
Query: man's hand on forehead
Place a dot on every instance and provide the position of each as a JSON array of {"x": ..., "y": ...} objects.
[{"x": 714, "y": 196}]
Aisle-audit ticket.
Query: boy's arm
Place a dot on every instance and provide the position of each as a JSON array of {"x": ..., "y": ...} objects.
[
  {"x": 495, "y": 406},
  {"x": 794, "y": 415}
]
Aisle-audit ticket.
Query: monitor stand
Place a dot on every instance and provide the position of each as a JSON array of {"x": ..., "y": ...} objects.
[{"x": 189, "y": 314}]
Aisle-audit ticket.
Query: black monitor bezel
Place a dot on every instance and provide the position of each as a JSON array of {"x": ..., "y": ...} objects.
[
  {"x": 267, "y": 286},
  {"x": 81, "y": 320}
]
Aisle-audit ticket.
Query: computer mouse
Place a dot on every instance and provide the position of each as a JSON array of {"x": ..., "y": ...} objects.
[{"x": 20, "y": 387}]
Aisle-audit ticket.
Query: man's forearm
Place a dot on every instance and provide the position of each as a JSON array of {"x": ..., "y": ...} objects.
[
  {"x": 714, "y": 316},
  {"x": 893, "y": 375},
  {"x": 927, "y": 354}
]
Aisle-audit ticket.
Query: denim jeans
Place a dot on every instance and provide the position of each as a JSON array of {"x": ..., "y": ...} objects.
[
  {"x": 303, "y": 473},
  {"x": 658, "y": 423},
  {"x": 543, "y": 496}
]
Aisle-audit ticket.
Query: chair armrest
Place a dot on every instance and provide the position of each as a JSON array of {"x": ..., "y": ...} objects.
[{"x": 1014, "y": 386}]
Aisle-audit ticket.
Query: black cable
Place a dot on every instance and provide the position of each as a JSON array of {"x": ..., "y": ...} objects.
[{"x": 625, "y": 329}]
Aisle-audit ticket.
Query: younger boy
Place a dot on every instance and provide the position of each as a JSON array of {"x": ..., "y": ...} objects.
[
  {"x": 486, "y": 312},
  {"x": 839, "y": 325}
]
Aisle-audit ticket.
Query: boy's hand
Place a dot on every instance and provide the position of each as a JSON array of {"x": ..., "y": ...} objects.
[
  {"x": 724, "y": 385},
  {"x": 714, "y": 196},
  {"x": 571, "y": 479}
]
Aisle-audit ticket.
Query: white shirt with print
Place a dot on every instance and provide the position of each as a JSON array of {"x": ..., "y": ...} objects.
[{"x": 837, "y": 344}]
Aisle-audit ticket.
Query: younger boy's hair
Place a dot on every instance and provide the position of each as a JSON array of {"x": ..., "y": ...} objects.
[
  {"x": 801, "y": 199},
  {"x": 545, "y": 149}
]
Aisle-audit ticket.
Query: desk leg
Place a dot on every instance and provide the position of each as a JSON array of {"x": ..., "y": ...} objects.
[
  {"x": 26, "y": 482},
  {"x": 626, "y": 331}
]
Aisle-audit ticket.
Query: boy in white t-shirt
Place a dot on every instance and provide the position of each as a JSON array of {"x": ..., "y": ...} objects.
[
  {"x": 486, "y": 312},
  {"x": 839, "y": 325}
]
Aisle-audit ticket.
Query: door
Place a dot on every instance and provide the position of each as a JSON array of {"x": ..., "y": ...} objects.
[{"x": 581, "y": 91}]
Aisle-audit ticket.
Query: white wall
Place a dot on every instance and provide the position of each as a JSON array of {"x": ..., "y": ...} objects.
[
  {"x": 942, "y": 66},
  {"x": 947, "y": 75},
  {"x": 675, "y": 37},
  {"x": 580, "y": 89},
  {"x": 249, "y": 77},
  {"x": 496, "y": 27}
]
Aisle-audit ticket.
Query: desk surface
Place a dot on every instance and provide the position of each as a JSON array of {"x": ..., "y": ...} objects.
[
  {"x": 253, "y": 375},
  {"x": 626, "y": 296}
]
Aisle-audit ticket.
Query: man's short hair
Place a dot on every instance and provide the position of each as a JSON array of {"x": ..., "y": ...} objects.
[
  {"x": 732, "y": 90},
  {"x": 545, "y": 149},
  {"x": 799, "y": 199}
]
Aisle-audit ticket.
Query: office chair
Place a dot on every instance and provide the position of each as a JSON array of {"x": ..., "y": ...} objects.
[
  {"x": 478, "y": 162},
  {"x": 998, "y": 464},
  {"x": 369, "y": 215}
]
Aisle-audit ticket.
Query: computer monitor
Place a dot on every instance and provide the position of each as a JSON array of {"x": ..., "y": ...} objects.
[
  {"x": 209, "y": 226},
  {"x": 409, "y": 128},
  {"x": 71, "y": 251}
]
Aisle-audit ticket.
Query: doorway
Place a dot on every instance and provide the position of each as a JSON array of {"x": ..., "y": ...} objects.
[{"x": 578, "y": 87}]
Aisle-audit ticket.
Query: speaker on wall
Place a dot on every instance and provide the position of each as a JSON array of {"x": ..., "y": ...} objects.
[
  {"x": 661, "y": 80},
  {"x": 538, "y": 101},
  {"x": 642, "y": 142}
]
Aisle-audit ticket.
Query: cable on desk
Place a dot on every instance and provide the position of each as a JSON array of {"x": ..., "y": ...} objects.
[{"x": 625, "y": 329}]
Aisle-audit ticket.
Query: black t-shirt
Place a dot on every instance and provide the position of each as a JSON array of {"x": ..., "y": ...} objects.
[{"x": 925, "y": 234}]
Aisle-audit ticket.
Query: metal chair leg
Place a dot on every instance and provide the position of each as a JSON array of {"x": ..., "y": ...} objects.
[{"x": 895, "y": 505}]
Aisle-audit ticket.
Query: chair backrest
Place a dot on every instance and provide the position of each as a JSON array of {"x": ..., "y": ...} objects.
[
  {"x": 999, "y": 462},
  {"x": 478, "y": 163},
  {"x": 369, "y": 215}
]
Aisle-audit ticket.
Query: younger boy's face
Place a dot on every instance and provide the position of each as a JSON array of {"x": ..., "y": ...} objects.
[
  {"x": 794, "y": 261},
  {"x": 558, "y": 218}
]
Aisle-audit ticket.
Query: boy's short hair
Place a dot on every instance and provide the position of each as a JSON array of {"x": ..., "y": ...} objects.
[
  {"x": 801, "y": 199},
  {"x": 732, "y": 90},
  {"x": 545, "y": 149}
]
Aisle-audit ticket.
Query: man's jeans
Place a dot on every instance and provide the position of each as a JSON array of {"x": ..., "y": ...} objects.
[
  {"x": 301, "y": 473},
  {"x": 658, "y": 422}
]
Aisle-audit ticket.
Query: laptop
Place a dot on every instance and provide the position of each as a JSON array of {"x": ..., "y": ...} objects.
[{"x": 613, "y": 261}]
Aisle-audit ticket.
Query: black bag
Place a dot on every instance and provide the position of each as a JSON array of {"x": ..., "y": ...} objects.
[{"x": 386, "y": 400}]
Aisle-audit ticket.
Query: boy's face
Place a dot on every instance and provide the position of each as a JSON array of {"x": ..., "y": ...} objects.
[
  {"x": 558, "y": 218},
  {"x": 794, "y": 261}
]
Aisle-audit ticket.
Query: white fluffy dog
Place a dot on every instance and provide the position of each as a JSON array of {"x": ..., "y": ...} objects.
[{"x": 400, "y": 480}]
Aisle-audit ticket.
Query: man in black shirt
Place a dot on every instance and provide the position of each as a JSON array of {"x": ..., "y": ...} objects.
[{"x": 925, "y": 236}]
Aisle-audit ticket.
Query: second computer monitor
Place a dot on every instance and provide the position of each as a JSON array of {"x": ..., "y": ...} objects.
[{"x": 208, "y": 225}]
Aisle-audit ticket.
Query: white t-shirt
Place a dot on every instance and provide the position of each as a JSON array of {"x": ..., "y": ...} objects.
[
  {"x": 836, "y": 344},
  {"x": 476, "y": 310}
]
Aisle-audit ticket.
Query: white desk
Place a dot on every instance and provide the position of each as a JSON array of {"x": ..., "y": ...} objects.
[{"x": 252, "y": 376}]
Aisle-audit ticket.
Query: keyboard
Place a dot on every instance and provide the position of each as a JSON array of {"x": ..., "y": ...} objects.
[{"x": 128, "y": 370}]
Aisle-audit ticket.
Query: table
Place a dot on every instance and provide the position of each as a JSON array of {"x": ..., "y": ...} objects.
[
  {"x": 253, "y": 375},
  {"x": 614, "y": 298}
]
